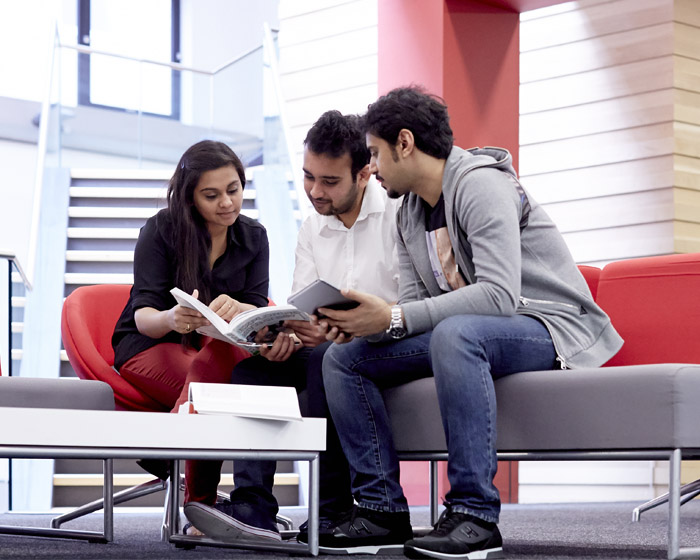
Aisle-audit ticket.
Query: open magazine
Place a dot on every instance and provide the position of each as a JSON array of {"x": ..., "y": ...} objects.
[
  {"x": 254, "y": 401},
  {"x": 243, "y": 327}
]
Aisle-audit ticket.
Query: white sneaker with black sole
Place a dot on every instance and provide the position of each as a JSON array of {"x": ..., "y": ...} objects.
[{"x": 231, "y": 521}]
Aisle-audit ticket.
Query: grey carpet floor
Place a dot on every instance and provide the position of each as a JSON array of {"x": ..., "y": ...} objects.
[{"x": 542, "y": 532}]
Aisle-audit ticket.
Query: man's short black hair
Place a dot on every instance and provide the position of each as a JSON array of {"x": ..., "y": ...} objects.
[
  {"x": 335, "y": 134},
  {"x": 412, "y": 108}
]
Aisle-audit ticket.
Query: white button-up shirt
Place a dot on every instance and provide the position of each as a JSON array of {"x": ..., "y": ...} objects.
[{"x": 362, "y": 257}]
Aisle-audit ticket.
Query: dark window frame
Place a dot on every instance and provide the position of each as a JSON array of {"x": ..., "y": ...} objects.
[{"x": 84, "y": 62}]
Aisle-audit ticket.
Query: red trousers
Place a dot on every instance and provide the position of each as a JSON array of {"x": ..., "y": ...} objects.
[{"x": 164, "y": 372}]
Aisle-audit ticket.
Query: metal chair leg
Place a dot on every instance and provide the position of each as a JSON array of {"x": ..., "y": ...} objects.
[
  {"x": 433, "y": 492},
  {"x": 145, "y": 489},
  {"x": 286, "y": 522},
  {"x": 687, "y": 492}
]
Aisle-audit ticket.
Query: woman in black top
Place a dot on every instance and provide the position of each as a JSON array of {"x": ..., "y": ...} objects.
[{"x": 201, "y": 244}]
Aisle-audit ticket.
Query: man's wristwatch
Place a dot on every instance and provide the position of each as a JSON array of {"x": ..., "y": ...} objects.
[{"x": 396, "y": 329}]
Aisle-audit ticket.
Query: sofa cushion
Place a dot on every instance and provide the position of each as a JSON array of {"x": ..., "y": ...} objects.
[
  {"x": 590, "y": 409},
  {"x": 653, "y": 304},
  {"x": 35, "y": 392}
]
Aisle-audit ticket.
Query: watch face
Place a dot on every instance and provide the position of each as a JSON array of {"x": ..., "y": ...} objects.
[{"x": 397, "y": 332}]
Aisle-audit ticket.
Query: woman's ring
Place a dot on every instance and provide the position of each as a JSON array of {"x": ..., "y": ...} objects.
[{"x": 188, "y": 327}]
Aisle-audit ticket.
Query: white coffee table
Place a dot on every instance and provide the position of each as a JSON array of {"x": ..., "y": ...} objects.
[{"x": 86, "y": 434}]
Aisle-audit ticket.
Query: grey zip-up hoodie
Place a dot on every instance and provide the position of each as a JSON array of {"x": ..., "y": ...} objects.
[{"x": 511, "y": 254}]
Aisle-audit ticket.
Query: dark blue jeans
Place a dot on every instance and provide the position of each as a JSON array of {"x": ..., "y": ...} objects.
[
  {"x": 254, "y": 479},
  {"x": 465, "y": 353}
]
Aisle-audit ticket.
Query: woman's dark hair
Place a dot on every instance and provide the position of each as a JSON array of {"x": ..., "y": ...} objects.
[
  {"x": 412, "y": 108},
  {"x": 190, "y": 236},
  {"x": 335, "y": 134}
]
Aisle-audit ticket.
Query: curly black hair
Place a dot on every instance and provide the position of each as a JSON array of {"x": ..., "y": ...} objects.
[
  {"x": 335, "y": 134},
  {"x": 414, "y": 109}
]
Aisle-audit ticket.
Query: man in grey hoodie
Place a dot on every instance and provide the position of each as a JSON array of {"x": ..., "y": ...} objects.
[{"x": 487, "y": 288}]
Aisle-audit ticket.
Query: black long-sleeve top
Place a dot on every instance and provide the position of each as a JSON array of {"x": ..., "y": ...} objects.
[{"x": 242, "y": 272}]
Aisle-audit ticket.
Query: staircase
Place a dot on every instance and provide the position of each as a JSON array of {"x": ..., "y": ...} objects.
[{"x": 106, "y": 211}]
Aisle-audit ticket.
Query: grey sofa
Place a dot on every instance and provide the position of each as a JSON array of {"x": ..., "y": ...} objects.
[
  {"x": 642, "y": 405},
  {"x": 20, "y": 392}
]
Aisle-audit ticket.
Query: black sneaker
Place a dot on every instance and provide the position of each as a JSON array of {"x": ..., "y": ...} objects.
[
  {"x": 232, "y": 521},
  {"x": 366, "y": 531},
  {"x": 458, "y": 535},
  {"x": 325, "y": 527}
]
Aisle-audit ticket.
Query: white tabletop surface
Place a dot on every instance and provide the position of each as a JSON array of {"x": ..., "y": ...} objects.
[{"x": 152, "y": 430}]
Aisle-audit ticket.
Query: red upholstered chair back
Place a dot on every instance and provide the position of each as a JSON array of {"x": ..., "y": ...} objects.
[
  {"x": 592, "y": 276},
  {"x": 654, "y": 303},
  {"x": 87, "y": 323}
]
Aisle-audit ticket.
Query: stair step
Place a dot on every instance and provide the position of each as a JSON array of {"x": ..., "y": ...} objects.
[
  {"x": 85, "y": 278},
  {"x": 102, "y": 233},
  {"x": 133, "y": 192},
  {"x": 100, "y": 256},
  {"x": 119, "y": 192},
  {"x": 122, "y": 174},
  {"x": 110, "y": 212}
]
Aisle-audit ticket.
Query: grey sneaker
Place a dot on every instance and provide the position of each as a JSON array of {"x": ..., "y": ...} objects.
[
  {"x": 458, "y": 535},
  {"x": 231, "y": 521}
]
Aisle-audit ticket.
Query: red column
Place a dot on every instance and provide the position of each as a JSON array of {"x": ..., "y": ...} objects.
[{"x": 466, "y": 52}]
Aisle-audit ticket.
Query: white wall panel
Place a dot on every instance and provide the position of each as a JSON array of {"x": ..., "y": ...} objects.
[
  {"x": 597, "y": 149},
  {"x": 601, "y": 180},
  {"x": 602, "y": 116},
  {"x": 598, "y": 52},
  {"x": 568, "y": 26},
  {"x": 605, "y": 245},
  {"x": 607, "y": 83},
  {"x": 328, "y": 60},
  {"x": 330, "y": 19},
  {"x": 297, "y": 8},
  {"x": 559, "y": 9},
  {"x": 305, "y": 111},
  {"x": 330, "y": 78},
  {"x": 328, "y": 50},
  {"x": 614, "y": 211}
]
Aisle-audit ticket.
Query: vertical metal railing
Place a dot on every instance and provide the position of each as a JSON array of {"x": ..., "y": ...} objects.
[
  {"x": 269, "y": 45},
  {"x": 12, "y": 261}
]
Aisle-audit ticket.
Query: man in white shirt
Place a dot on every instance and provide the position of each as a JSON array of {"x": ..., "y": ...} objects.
[{"x": 349, "y": 242}]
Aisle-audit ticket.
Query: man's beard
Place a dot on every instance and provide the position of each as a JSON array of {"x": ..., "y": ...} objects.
[{"x": 347, "y": 204}]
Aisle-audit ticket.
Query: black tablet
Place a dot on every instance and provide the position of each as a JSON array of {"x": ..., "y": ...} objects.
[{"x": 320, "y": 294}]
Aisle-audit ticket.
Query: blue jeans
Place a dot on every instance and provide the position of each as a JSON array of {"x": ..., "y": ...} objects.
[{"x": 465, "y": 353}]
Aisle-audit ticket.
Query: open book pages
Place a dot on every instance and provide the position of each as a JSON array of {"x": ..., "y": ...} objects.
[
  {"x": 244, "y": 326},
  {"x": 253, "y": 401}
]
